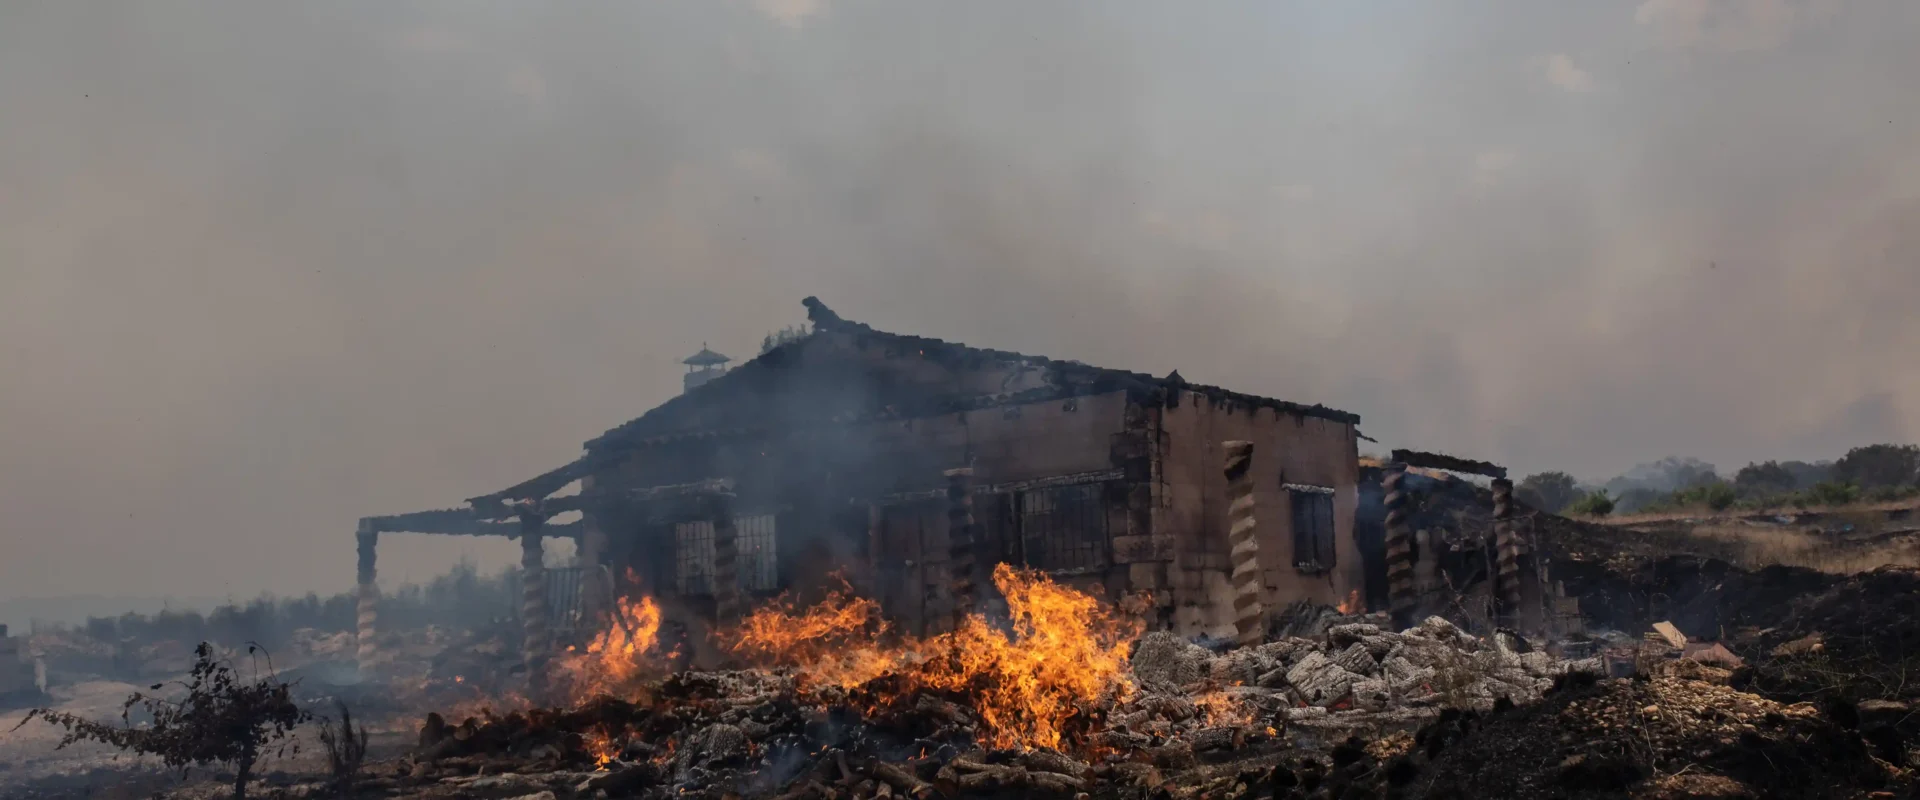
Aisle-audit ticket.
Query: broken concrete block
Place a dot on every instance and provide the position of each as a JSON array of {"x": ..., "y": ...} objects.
[
  {"x": 1164, "y": 657},
  {"x": 1539, "y": 664},
  {"x": 1342, "y": 635},
  {"x": 1370, "y": 694},
  {"x": 1320, "y": 680},
  {"x": 1357, "y": 660}
]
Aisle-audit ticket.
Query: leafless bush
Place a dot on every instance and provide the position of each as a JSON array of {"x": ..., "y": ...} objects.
[
  {"x": 222, "y": 719},
  {"x": 346, "y": 747}
]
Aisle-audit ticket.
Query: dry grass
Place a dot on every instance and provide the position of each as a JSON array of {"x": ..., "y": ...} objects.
[
  {"x": 1677, "y": 515},
  {"x": 1753, "y": 547}
]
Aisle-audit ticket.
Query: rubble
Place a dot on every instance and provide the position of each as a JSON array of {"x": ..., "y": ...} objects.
[
  {"x": 767, "y": 733},
  {"x": 1616, "y": 737}
]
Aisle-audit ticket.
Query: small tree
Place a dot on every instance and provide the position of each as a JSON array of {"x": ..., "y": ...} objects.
[
  {"x": 1833, "y": 493},
  {"x": 1879, "y": 465},
  {"x": 1598, "y": 504},
  {"x": 222, "y": 719},
  {"x": 1764, "y": 479},
  {"x": 1548, "y": 491}
]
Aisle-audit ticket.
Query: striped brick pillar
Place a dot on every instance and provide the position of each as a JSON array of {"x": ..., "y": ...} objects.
[
  {"x": 1400, "y": 588},
  {"x": 1507, "y": 563},
  {"x": 535, "y": 646},
  {"x": 1249, "y": 614},
  {"x": 726, "y": 559},
  {"x": 367, "y": 598},
  {"x": 962, "y": 555}
]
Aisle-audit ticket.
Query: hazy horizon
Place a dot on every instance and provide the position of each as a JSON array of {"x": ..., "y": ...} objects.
[{"x": 266, "y": 269}]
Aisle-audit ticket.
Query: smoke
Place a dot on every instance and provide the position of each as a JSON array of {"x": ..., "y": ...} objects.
[{"x": 271, "y": 268}]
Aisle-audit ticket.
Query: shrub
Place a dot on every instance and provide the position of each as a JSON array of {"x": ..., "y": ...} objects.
[
  {"x": 1547, "y": 491},
  {"x": 346, "y": 748},
  {"x": 1764, "y": 479},
  {"x": 1833, "y": 493},
  {"x": 1879, "y": 465},
  {"x": 222, "y": 719},
  {"x": 1597, "y": 503}
]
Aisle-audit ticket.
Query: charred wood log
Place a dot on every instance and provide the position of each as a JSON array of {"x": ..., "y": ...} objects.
[
  {"x": 632, "y": 780},
  {"x": 1174, "y": 755},
  {"x": 906, "y": 782},
  {"x": 1054, "y": 761},
  {"x": 974, "y": 776},
  {"x": 1212, "y": 739}
]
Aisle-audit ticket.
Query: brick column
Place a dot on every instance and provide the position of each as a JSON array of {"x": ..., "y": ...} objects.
[
  {"x": 367, "y": 600},
  {"x": 1249, "y": 614},
  {"x": 1400, "y": 589},
  {"x": 535, "y": 645},
  {"x": 1507, "y": 564},
  {"x": 962, "y": 558}
]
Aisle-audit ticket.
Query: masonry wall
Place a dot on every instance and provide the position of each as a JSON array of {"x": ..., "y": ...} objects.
[
  {"x": 810, "y": 477},
  {"x": 1190, "y": 505}
]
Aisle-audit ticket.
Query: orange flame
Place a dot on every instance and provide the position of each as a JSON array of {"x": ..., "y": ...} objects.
[
  {"x": 616, "y": 658},
  {"x": 1221, "y": 709},
  {"x": 1064, "y": 649},
  {"x": 833, "y": 642},
  {"x": 601, "y": 746},
  {"x": 1352, "y": 604}
]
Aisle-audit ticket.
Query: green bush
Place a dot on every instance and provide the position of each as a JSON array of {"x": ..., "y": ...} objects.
[
  {"x": 1596, "y": 504},
  {"x": 1833, "y": 493}
]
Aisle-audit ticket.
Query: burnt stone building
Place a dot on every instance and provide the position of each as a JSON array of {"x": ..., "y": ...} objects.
[{"x": 856, "y": 451}]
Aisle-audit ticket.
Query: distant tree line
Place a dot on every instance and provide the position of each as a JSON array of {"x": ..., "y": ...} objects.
[
  {"x": 1874, "y": 473},
  {"x": 461, "y": 598}
]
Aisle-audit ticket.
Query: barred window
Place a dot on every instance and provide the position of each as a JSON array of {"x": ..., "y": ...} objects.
[
  {"x": 693, "y": 553},
  {"x": 1313, "y": 538}
]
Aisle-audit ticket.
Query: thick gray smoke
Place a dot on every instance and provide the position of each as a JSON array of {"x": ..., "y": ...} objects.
[{"x": 265, "y": 268}]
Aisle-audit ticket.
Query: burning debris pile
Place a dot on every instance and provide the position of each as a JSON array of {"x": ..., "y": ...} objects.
[{"x": 1061, "y": 698}]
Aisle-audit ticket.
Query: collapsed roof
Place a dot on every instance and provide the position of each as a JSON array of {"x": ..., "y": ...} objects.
[{"x": 803, "y": 384}]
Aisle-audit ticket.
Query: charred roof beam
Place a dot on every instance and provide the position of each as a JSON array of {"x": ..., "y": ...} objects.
[{"x": 1415, "y": 458}]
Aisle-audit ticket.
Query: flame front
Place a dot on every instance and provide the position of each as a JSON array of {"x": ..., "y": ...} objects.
[
  {"x": 1064, "y": 649},
  {"x": 834, "y": 642},
  {"x": 1351, "y": 605},
  {"x": 1059, "y": 653},
  {"x": 616, "y": 659}
]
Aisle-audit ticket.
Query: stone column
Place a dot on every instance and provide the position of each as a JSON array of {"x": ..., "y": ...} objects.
[
  {"x": 726, "y": 559},
  {"x": 1400, "y": 553},
  {"x": 1249, "y": 613},
  {"x": 962, "y": 558},
  {"x": 367, "y": 599},
  {"x": 535, "y": 646},
  {"x": 596, "y": 581},
  {"x": 1508, "y": 547}
]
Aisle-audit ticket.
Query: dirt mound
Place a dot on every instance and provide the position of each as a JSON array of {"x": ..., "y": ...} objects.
[
  {"x": 1853, "y": 648},
  {"x": 1871, "y": 615},
  {"x": 1622, "y": 738}
]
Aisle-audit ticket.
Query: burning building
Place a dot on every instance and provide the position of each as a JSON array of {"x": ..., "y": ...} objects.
[{"x": 910, "y": 467}]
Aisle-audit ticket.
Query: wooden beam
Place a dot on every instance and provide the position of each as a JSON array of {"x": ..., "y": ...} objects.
[
  {"x": 1415, "y": 458},
  {"x": 459, "y": 522}
]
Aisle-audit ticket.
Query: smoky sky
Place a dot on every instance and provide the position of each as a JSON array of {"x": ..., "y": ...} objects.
[{"x": 267, "y": 268}]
